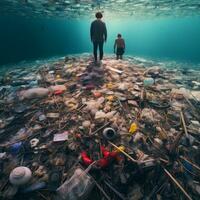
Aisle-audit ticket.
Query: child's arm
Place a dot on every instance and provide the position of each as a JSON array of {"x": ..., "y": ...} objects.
[{"x": 124, "y": 44}]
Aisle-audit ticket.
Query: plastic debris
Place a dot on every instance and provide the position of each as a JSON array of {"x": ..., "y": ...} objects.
[
  {"x": 53, "y": 115},
  {"x": 109, "y": 134},
  {"x": 20, "y": 176},
  {"x": 107, "y": 123},
  {"x": 133, "y": 128},
  {"x": 148, "y": 81},
  {"x": 61, "y": 137},
  {"x": 77, "y": 187},
  {"x": 34, "y": 93},
  {"x": 34, "y": 142}
]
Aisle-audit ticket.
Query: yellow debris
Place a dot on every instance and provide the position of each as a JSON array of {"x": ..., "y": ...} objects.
[
  {"x": 109, "y": 86},
  {"x": 133, "y": 128},
  {"x": 120, "y": 148},
  {"x": 110, "y": 98}
]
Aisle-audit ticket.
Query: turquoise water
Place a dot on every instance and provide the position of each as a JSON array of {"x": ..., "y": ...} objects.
[
  {"x": 45, "y": 44},
  {"x": 171, "y": 38}
]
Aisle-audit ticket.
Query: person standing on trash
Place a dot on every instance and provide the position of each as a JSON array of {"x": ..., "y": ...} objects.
[
  {"x": 98, "y": 35},
  {"x": 120, "y": 45}
]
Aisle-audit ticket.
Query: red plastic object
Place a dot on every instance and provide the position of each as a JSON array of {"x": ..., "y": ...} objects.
[
  {"x": 58, "y": 92},
  {"x": 108, "y": 154},
  {"x": 103, "y": 162},
  {"x": 113, "y": 154},
  {"x": 105, "y": 152},
  {"x": 86, "y": 159}
]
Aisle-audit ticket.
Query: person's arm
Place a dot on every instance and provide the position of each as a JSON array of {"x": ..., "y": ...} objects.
[
  {"x": 115, "y": 45},
  {"x": 91, "y": 31},
  {"x": 105, "y": 32}
]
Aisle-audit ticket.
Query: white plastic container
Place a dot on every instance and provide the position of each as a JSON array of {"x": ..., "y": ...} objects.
[{"x": 20, "y": 176}]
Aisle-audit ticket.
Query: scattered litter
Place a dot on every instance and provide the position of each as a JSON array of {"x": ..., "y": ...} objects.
[
  {"x": 123, "y": 130},
  {"x": 61, "y": 137}
]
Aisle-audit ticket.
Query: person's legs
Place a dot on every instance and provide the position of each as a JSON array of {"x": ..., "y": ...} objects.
[
  {"x": 95, "y": 45},
  {"x": 120, "y": 57},
  {"x": 101, "y": 50},
  {"x": 118, "y": 54}
]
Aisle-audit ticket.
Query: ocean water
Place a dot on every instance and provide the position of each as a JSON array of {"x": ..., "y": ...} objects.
[
  {"x": 160, "y": 30},
  {"x": 45, "y": 43}
]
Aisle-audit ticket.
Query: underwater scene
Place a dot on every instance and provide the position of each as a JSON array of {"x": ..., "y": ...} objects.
[{"x": 99, "y": 99}]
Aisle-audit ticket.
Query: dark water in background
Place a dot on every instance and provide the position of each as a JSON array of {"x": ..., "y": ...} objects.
[{"x": 163, "y": 38}]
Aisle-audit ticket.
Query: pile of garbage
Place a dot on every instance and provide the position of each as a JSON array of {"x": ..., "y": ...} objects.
[{"x": 72, "y": 130}]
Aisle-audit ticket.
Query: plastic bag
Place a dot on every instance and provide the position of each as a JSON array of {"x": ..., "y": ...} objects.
[{"x": 77, "y": 187}]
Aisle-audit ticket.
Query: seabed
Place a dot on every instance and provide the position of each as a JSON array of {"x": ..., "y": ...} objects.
[{"x": 122, "y": 129}]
